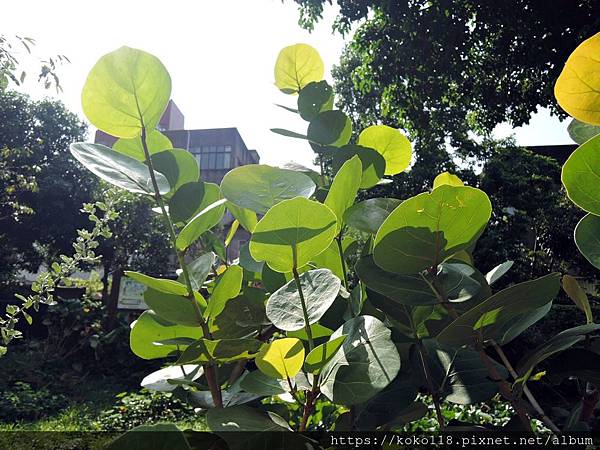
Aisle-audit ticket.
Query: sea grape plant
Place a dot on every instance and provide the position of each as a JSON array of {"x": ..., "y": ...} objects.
[{"x": 364, "y": 304}]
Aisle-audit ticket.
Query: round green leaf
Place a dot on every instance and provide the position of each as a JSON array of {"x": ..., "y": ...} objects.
[
  {"x": 320, "y": 288},
  {"x": 125, "y": 91},
  {"x": 368, "y": 215},
  {"x": 258, "y": 383},
  {"x": 587, "y": 238},
  {"x": 245, "y": 217},
  {"x": 120, "y": 170},
  {"x": 159, "y": 284},
  {"x": 322, "y": 354},
  {"x": 343, "y": 190},
  {"x": 281, "y": 359},
  {"x": 199, "y": 269},
  {"x": 155, "y": 141},
  {"x": 297, "y": 66},
  {"x": 367, "y": 362},
  {"x": 259, "y": 187},
  {"x": 494, "y": 316},
  {"x": 211, "y": 210},
  {"x": 580, "y": 175},
  {"x": 150, "y": 328},
  {"x": 186, "y": 201},
  {"x": 219, "y": 350},
  {"x": 292, "y": 232},
  {"x": 330, "y": 128},
  {"x": 178, "y": 165},
  {"x": 429, "y": 227},
  {"x": 373, "y": 164},
  {"x": 314, "y": 98},
  {"x": 227, "y": 286},
  {"x": 391, "y": 143},
  {"x": 175, "y": 308},
  {"x": 159, "y": 380},
  {"x": 582, "y": 132}
]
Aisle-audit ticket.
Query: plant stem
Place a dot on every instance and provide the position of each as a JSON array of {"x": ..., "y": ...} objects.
[
  {"x": 311, "y": 343},
  {"x": 503, "y": 386},
  {"x": 432, "y": 391},
  {"x": 338, "y": 239},
  {"x": 543, "y": 417},
  {"x": 209, "y": 369},
  {"x": 311, "y": 398}
]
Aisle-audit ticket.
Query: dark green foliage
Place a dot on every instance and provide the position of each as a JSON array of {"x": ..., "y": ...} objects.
[
  {"x": 132, "y": 409},
  {"x": 38, "y": 134},
  {"x": 21, "y": 401}
]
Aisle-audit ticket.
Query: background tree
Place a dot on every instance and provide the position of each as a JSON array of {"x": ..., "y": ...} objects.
[
  {"x": 449, "y": 71},
  {"x": 36, "y": 136}
]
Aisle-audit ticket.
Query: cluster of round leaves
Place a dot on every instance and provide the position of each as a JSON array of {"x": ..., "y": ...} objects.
[
  {"x": 416, "y": 258},
  {"x": 577, "y": 91},
  {"x": 382, "y": 150}
]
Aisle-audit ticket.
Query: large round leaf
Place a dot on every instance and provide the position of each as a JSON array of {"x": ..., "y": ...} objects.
[
  {"x": 281, "y": 359},
  {"x": 176, "y": 308},
  {"x": 320, "y": 287},
  {"x": 211, "y": 210},
  {"x": 259, "y": 187},
  {"x": 494, "y": 316},
  {"x": 150, "y": 328},
  {"x": 580, "y": 175},
  {"x": 160, "y": 284},
  {"x": 314, "y": 98},
  {"x": 391, "y": 143},
  {"x": 297, "y": 66},
  {"x": 125, "y": 91},
  {"x": 187, "y": 201},
  {"x": 367, "y": 362},
  {"x": 425, "y": 229},
  {"x": 118, "y": 169},
  {"x": 457, "y": 374},
  {"x": 587, "y": 238},
  {"x": 155, "y": 141},
  {"x": 330, "y": 128},
  {"x": 416, "y": 290},
  {"x": 292, "y": 232},
  {"x": 178, "y": 165},
  {"x": 577, "y": 89},
  {"x": 227, "y": 286},
  {"x": 373, "y": 164},
  {"x": 343, "y": 190},
  {"x": 159, "y": 380},
  {"x": 368, "y": 215}
]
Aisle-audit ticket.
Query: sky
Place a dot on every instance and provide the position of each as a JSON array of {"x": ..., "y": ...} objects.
[{"x": 220, "y": 54}]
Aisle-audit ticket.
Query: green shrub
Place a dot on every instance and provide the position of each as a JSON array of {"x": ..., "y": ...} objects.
[
  {"x": 23, "y": 402},
  {"x": 145, "y": 407}
]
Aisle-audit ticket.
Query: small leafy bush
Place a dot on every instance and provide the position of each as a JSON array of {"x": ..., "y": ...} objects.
[
  {"x": 145, "y": 407},
  {"x": 412, "y": 316},
  {"x": 23, "y": 402}
]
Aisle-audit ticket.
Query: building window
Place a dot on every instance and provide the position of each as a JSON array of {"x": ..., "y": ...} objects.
[{"x": 213, "y": 156}]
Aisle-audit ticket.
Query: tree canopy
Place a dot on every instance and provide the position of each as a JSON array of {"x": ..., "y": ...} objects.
[{"x": 446, "y": 71}]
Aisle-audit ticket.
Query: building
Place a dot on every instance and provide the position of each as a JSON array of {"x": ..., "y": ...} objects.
[{"x": 217, "y": 151}]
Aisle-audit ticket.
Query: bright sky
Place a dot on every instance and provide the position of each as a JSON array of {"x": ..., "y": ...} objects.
[{"x": 220, "y": 55}]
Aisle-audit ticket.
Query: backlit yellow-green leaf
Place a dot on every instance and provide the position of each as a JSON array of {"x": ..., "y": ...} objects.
[
  {"x": 126, "y": 90},
  {"x": 391, "y": 143},
  {"x": 282, "y": 358},
  {"x": 577, "y": 89},
  {"x": 447, "y": 178},
  {"x": 297, "y": 66}
]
